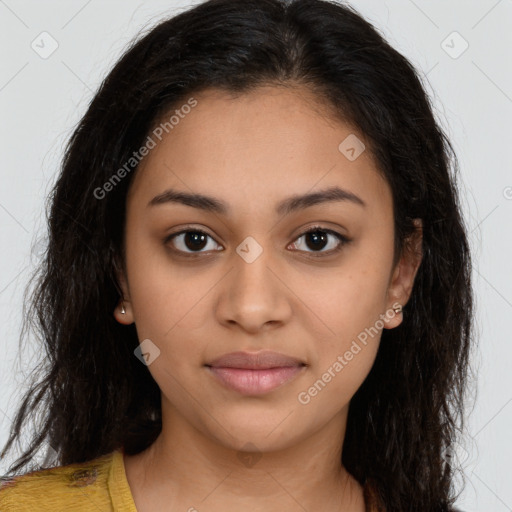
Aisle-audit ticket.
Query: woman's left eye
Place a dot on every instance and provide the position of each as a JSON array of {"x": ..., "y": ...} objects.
[
  {"x": 317, "y": 239},
  {"x": 193, "y": 241}
]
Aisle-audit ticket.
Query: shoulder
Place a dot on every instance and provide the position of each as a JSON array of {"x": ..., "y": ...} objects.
[{"x": 72, "y": 487}]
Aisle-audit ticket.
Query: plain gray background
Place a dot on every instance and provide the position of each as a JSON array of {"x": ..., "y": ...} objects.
[{"x": 462, "y": 49}]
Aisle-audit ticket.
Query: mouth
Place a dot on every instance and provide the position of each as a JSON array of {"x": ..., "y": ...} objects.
[{"x": 255, "y": 373}]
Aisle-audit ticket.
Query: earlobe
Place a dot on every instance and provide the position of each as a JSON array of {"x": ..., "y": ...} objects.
[
  {"x": 393, "y": 316},
  {"x": 123, "y": 313}
]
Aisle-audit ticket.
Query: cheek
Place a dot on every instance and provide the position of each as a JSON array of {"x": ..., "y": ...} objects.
[
  {"x": 334, "y": 383},
  {"x": 353, "y": 297},
  {"x": 346, "y": 355},
  {"x": 171, "y": 306},
  {"x": 167, "y": 306},
  {"x": 351, "y": 308}
]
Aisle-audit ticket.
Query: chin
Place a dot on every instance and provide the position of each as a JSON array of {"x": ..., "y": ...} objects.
[{"x": 255, "y": 435}]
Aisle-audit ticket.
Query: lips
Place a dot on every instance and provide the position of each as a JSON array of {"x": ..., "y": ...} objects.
[
  {"x": 255, "y": 361},
  {"x": 255, "y": 373}
]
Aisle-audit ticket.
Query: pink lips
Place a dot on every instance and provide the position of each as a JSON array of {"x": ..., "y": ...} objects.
[{"x": 255, "y": 373}]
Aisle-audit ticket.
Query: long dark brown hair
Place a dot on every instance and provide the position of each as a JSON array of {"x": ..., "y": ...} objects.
[{"x": 92, "y": 395}]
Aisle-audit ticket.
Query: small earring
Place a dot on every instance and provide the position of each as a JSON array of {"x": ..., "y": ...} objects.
[
  {"x": 123, "y": 311},
  {"x": 398, "y": 309}
]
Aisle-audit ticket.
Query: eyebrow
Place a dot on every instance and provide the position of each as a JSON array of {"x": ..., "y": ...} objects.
[{"x": 285, "y": 207}]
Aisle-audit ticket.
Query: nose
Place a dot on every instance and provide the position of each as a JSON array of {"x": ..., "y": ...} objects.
[{"x": 253, "y": 295}]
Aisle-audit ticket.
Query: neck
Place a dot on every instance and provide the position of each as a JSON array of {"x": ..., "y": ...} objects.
[{"x": 190, "y": 471}]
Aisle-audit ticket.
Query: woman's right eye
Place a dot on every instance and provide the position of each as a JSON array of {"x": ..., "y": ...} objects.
[{"x": 190, "y": 241}]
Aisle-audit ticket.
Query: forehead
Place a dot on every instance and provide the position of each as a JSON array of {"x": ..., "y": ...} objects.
[{"x": 257, "y": 147}]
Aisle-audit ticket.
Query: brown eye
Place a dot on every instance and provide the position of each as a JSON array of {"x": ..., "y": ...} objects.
[
  {"x": 190, "y": 241},
  {"x": 317, "y": 239}
]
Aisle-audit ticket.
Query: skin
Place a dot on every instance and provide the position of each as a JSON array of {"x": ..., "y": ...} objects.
[{"x": 252, "y": 151}]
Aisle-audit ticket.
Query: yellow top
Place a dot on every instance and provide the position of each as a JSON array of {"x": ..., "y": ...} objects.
[{"x": 98, "y": 485}]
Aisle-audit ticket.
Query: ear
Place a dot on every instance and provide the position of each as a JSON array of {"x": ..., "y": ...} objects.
[
  {"x": 123, "y": 312},
  {"x": 404, "y": 273}
]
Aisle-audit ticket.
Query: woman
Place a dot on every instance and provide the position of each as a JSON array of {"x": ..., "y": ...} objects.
[{"x": 257, "y": 287}]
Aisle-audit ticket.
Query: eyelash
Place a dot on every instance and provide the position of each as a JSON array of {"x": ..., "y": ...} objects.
[{"x": 314, "y": 229}]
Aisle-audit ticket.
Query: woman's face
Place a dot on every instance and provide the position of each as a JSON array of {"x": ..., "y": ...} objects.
[{"x": 273, "y": 168}]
